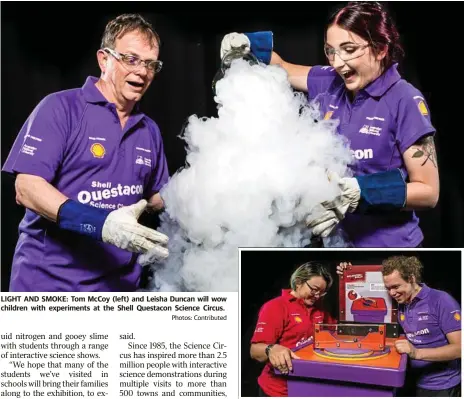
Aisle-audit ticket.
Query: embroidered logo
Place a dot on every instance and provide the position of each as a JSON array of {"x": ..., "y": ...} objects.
[
  {"x": 97, "y": 150},
  {"x": 457, "y": 316},
  {"x": 328, "y": 115},
  {"x": 373, "y": 130},
  {"x": 402, "y": 317},
  {"x": 421, "y": 105},
  {"x": 298, "y": 319},
  {"x": 423, "y": 108}
]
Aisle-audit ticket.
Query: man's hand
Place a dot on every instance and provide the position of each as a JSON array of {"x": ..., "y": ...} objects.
[
  {"x": 122, "y": 229},
  {"x": 342, "y": 266},
  {"x": 281, "y": 358},
  {"x": 404, "y": 346}
]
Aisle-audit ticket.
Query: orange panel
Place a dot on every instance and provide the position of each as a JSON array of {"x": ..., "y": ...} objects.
[
  {"x": 374, "y": 340},
  {"x": 392, "y": 360}
]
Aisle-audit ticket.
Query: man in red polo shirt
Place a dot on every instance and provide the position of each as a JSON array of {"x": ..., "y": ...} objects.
[{"x": 288, "y": 321}]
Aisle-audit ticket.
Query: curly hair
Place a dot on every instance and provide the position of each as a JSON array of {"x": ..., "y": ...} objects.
[{"x": 407, "y": 267}]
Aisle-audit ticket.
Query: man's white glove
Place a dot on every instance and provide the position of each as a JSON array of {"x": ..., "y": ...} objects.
[
  {"x": 234, "y": 40},
  {"x": 330, "y": 213},
  {"x": 121, "y": 228}
]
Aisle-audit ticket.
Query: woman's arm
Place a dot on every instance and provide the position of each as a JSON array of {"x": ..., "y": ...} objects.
[
  {"x": 279, "y": 356},
  {"x": 423, "y": 186},
  {"x": 297, "y": 74},
  {"x": 258, "y": 352}
]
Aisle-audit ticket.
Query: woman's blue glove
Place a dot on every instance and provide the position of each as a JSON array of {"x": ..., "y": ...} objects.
[{"x": 259, "y": 43}]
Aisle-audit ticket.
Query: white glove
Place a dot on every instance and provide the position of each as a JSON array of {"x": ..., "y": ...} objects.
[
  {"x": 348, "y": 198},
  {"x": 234, "y": 40},
  {"x": 332, "y": 212},
  {"x": 122, "y": 229},
  {"x": 324, "y": 224}
]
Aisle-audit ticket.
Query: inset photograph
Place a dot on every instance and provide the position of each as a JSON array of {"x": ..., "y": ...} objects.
[{"x": 350, "y": 323}]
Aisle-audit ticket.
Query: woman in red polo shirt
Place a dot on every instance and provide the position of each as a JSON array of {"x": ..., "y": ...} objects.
[{"x": 288, "y": 321}]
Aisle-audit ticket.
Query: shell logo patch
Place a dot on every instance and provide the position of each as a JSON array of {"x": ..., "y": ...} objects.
[
  {"x": 328, "y": 115},
  {"x": 97, "y": 150},
  {"x": 402, "y": 317},
  {"x": 422, "y": 108},
  {"x": 298, "y": 319},
  {"x": 457, "y": 316}
]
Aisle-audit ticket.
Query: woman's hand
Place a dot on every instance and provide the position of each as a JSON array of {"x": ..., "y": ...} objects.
[
  {"x": 342, "y": 266},
  {"x": 281, "y": 358}
]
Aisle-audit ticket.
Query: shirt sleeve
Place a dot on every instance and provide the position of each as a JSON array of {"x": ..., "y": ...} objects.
[
  {"x": 40, "y": 145},
  {"x": 413, "y": 119},
  {"x": 160, "y": 174},
  {"x": 320, "y": 79},
  {"x": 270, "y": 324},
  {"x": 449, "y": 313}
]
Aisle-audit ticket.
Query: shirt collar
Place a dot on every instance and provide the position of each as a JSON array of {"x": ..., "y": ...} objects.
[
  {"x": 423, "y": 293},
  {"x": 93, "y": 95},
  {"x": 286, "y": 294},
  {"x": 379, "y": 86}
]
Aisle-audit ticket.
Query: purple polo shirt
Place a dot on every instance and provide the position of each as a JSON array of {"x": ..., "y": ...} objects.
[
  {"x": 426, "y": 320},
  {"x": 74, "y": 140},
  {"x": 384, "y": 120}
]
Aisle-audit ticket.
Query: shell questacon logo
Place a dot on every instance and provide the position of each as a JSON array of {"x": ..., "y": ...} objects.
[{"x": 97, "y": 150}]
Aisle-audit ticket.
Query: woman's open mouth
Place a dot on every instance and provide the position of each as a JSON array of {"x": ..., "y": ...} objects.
[{"x": 348, "y": 75}]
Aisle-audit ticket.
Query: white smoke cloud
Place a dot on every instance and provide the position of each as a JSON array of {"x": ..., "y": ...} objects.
[{"x": 252, "y": 176}]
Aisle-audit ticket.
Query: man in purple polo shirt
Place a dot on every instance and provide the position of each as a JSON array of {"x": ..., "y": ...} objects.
[
  {"x": 431, "y": 320},
  {"x": 87, "y": 164}
]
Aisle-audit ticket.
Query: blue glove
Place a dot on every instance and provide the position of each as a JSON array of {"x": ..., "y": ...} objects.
[
  {"x": 382, "y": 191},
  {"x": 372, "y": 193},
  {"x": 261, "y": 44},
  {"x": 119, "y": 227}
]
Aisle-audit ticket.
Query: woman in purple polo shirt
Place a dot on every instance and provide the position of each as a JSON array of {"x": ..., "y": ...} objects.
[{"x": 385, "y": 119}]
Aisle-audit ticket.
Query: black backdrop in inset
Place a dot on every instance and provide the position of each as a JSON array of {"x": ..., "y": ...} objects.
[{"x": 51, "y": 46}]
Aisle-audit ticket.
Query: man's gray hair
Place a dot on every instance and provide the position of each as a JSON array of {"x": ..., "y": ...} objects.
[{"x": 127, "y": 23}]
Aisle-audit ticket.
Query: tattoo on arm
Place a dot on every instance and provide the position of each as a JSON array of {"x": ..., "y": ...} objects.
[{"x": 425, "y": 148}]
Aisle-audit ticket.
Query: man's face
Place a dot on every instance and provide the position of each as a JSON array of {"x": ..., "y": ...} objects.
[
  {"x": 129, "y": 83},
  {"x": 397, "y": 288}
]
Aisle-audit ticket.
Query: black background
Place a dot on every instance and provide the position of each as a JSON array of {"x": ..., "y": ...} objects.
[
  {"x": 47, "y": 47},
  {"x": 264, "y": 273}
]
